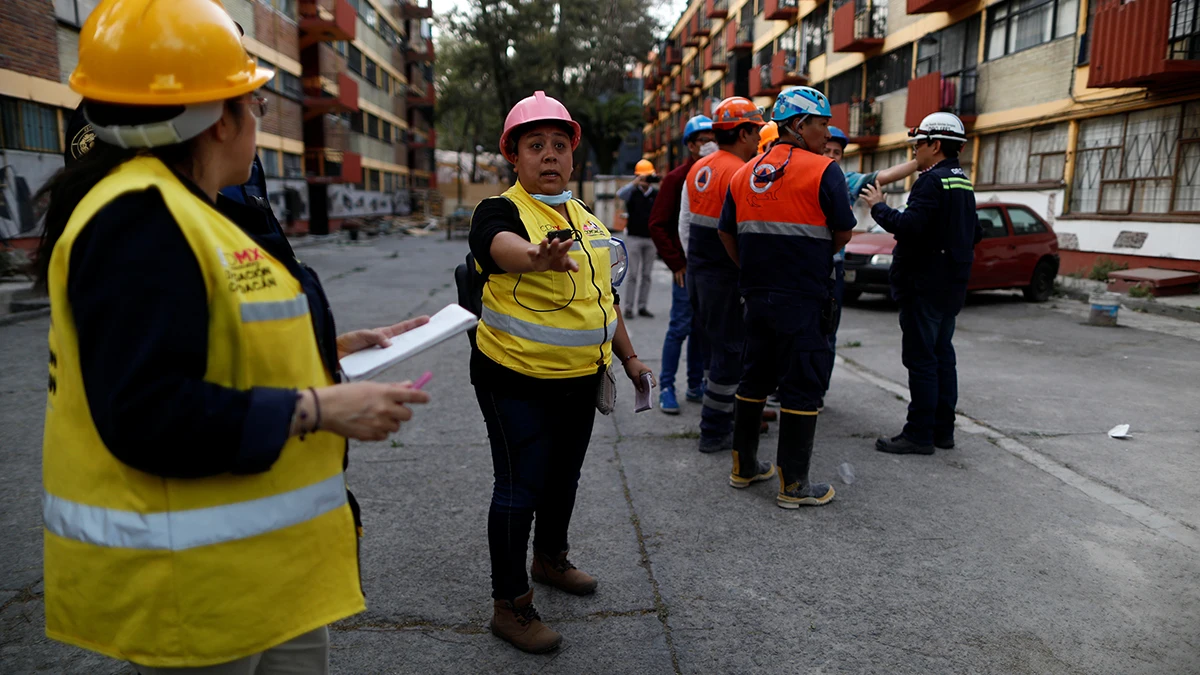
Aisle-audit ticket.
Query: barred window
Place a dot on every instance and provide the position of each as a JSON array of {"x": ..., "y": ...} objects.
[
  {"x": 1145, "y": 162},
  {"x": 814, "y": 30},
  {"x": 354, "y": 59},
  {"x": 950, "y": 50},
  {"x": 1020, "y": 24},
  {"x": 25, "y": 125},
  {"x": 889, "y": 72},
  {"x": 1024, "y": 157},
  {"x": 845, "y": 87},
  {"x": 293, "y": 165}
]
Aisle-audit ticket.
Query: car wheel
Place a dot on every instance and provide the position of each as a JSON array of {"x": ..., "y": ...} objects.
[
  {"x": 1041, "y": 287},
  {"x": 850, "y": 296}
]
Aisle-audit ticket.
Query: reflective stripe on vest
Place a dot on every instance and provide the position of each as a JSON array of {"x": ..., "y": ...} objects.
[
  {"x": 784, "y": 229},
  {"x": 703, "y": 221},
  {"x": 547, "y": 335},
  {"x": 275, "y": 309},
  {"x": 181, "y": 530},
  {"x": 953, "y": 183}
]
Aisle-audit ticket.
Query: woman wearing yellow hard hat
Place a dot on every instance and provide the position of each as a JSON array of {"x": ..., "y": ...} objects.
[
  {"x": 549, "y": 330},
  {"x": 195, "y": 508},
  {"x": 639, "y": 196}
]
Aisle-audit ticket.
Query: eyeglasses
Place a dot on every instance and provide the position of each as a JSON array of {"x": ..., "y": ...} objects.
[{"x": 258, "y": 106}]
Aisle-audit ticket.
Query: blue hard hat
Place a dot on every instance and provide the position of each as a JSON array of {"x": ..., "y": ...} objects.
[
  {"x": 800, "y": 101},
  {"x": 696, "y": 125},
  {"x": 836, "y": 134}
]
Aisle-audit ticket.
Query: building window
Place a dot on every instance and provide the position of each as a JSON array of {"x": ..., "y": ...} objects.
[
  {"x": 293, "y": 165},
  {"x": 951, "y": 50},
  {"x": 371, "y": 72},
  {"x": 372, "y": 126},
  {"x": 356, "y": 122},
  {"x": 25, "y": 125},
  {"x": 284, "y": 7},
  {"x": 845, "y": 87},
  {"x": 814, "y": 30},
  {"x": 1021, "y": 24},
  {"x": 387, "y": 132},
  {"x": 1185, "y": 30},
  {"x": 74, "y": 12},
  {"x": 1024, "y": 157},
  {"x": 889, "y": 72},
  {"x": 1143, "y": 162},
  {"x": 270, "y": 162},
  {"x": 354, "y": 59},
  {"x": 290, "y": 85},
  {"x": 373, "y": 180}
]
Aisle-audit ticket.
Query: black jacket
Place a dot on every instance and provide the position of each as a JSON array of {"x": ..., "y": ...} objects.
[{"x": 935, "y": 235}]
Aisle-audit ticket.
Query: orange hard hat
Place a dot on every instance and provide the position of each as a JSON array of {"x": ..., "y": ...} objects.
[
  {"x": 767, "y": 135},
  {"x": 163, "y": 53},
  {"x": 643, "y": 168},
  {"x": 735, "y": 111}
]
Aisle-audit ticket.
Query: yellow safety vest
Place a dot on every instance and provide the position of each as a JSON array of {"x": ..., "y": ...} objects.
[
  {"x": 552, "y": 325},
  {"x": 171, "y": 572}
]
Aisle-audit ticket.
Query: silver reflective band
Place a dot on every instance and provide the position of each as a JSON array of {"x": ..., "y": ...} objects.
[
  {"x": 559, "y": 337},
  {"x": 275, "y": 309},
  {"x": 785, "y": 229},
  {"x": 181, "y": 530},
  {"x": 702, "y": 221},
  {"x": 723, "y": 389},
  {"x": 710, "y": 402}
]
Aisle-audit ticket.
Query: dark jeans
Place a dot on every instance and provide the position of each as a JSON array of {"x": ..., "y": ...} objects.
[
  {"x": 678, "y": 330},
  {"x": 538, "y": 448},
  {"x": 718, "y": 308},
  {"x": 927, "y": 352},
  {"x": 785, "y": 349},
  {"x": 839, "y": 293}
]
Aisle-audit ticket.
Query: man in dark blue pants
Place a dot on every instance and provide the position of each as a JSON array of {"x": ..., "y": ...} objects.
[{"x": 935, "y": 246}]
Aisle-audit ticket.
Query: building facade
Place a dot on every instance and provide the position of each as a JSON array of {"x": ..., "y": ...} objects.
[
  {"x": 1086, "y": 110},
  {"x": 348, "y": 131}
]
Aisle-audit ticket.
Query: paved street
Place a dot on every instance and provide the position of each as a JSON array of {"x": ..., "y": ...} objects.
[{"x": 1039, "y": 545}]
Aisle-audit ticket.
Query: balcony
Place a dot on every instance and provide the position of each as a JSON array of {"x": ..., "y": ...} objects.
[
  {"x": 428, "y": 141},
  {"x": 934, "y": 93},
  {"x": 1145, "y": 43},
  {"x": 318, "y": 103},
  {"x": 931, "y": 6},
  {"x": 860, "y": 119},
  {"x": 716, "y": 9},
  {"x": 419, "y": 48},
  {"x": 741, "y": 39},
  {"x": 730, "y": 90},
  {"x": 761, "y": 81},
  {"x": 690, "y": 39},
  {"x": 326, "y": 21},
  {"x": 328, "y": 159},
  {"x": 858, "y": 29},
  {"x": 420, "y": 94},
  {"x": 714, "y": 58},
  {"x": 701, "y": 25},
  {"x": 412, "y": 9},
  {"x": 674, "y": 56},
  {"x": 782, "y": 10},
  {"x": 788, "y": 69}
]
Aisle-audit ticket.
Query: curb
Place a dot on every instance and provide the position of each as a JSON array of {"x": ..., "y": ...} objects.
[
  {"x": 1076, "y": 291},
  {"x": 18, "y": 317}
]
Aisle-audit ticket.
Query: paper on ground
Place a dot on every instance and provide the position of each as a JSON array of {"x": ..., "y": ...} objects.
[
  {"x": 1119, "y": 431},
  {"x": 442, "y": 326}
]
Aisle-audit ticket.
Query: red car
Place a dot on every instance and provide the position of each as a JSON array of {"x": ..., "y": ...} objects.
[{"x": 1019, "y": 250}]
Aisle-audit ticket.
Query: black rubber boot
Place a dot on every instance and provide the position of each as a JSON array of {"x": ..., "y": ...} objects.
[
  {"x": 796, "y": 434},
  {"x": 746, "y": 467}
]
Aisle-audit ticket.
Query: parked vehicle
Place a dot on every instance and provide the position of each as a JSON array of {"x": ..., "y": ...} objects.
[{"x": 1019, "y": 250}]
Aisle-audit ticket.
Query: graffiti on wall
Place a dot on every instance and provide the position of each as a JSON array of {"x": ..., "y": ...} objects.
[
  {"x": 22, "y": 174},
  {"x": 347, "y": 201}
]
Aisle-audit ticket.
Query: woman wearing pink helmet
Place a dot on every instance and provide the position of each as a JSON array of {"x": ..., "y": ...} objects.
[{"x": 549, "y": 329}]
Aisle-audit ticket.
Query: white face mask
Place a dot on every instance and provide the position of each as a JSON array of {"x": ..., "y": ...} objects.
[{"x": 708, "y": 148}]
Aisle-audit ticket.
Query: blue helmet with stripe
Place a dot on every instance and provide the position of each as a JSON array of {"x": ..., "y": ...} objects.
[
  {"x": 839, "y": 136},
  {"x": 696, "y": 125},
  {"x": 800, "y": 101}
]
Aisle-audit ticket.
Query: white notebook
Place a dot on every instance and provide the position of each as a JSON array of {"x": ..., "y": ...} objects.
[{"x": 442, "y": 326}]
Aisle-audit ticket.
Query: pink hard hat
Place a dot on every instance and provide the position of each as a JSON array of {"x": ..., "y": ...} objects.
[{"x": 537, "y": 108}]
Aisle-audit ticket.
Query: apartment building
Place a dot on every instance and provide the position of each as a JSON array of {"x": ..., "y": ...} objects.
[
  {"x": 348, "y": 129},
  {"x": 1086, "y": 110}
]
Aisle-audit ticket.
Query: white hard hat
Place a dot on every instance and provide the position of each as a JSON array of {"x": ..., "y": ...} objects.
[{"x": 939, "y": 126}]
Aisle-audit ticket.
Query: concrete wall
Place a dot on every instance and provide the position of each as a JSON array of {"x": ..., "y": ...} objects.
[
  {"x": 373, "y": 148},
  {"x": 68, "y": 52},
  {"x": 1037, "y": 75},
  {"x": 892, "y": 108}
]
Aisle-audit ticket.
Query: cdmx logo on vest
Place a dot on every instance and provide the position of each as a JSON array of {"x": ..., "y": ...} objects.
[
  {"x": 247, "y": 270},
  {"x": 703, "y": 178},
  {"x": 762, "y": 177}
]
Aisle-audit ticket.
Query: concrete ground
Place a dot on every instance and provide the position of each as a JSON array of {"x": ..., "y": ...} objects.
[{"x": 1038, "y": 545}]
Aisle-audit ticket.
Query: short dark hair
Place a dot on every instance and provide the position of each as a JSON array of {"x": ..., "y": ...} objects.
[
  {"x": 515, "y": 137},
  {"x": 951, "y": 148},
  {"x": 731, "y": 136}
]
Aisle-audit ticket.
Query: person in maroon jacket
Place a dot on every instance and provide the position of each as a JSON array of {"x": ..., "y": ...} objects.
[{"x": 700, "y": 140}]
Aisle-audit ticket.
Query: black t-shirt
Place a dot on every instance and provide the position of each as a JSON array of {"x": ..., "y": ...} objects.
[{"x": 492, "y": 217}]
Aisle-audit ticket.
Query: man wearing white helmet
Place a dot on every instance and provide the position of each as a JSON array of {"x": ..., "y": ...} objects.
[{"x": 935, "y": 246}]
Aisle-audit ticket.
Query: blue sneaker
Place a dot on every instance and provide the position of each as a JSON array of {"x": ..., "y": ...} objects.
[
  {"x": 667, "y": 402},
  {"x": 695, "y": 395}
]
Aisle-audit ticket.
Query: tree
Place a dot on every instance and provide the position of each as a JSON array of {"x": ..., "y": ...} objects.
[
  {"x": 496, "y": 52},
  {"x": 606, "y": 122}
]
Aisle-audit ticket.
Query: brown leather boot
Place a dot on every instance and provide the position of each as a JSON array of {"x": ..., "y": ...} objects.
[
  {"x": 557, "y": 571},
  {"x": 517, "y": 623}
]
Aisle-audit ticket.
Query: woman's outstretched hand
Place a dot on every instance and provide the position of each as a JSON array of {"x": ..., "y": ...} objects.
[{"x": 551, "y": 256}]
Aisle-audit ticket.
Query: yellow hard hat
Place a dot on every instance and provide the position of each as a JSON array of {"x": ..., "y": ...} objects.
[
  {"x": 163, "y": 52},
  {"x": 643, "y": 168},
  {"x": 769, "y": 134}
]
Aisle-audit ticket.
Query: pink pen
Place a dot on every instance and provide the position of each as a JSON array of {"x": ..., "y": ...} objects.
[{"x": 423, "y": 380}]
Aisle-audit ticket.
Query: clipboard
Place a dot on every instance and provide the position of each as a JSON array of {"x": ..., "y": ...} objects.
[{"x": 442, "y": 326}]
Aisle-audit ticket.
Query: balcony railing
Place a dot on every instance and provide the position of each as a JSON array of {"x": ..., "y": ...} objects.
[
  {"x": 958, "y": 94},
  {"x": 865, "y": 121},
  {"x": 859, "y": 28},
  {"x": 674, "y": 56},
  {"x": 934, "y": 93},
  {"x": 715, "y": 57},
  {"x": 419, "y": 48},
  {"x": 716, "y": 9},
  {"x": 741, "y": 39},
  {"x": 702, "y": 25},
  {"x": 1147, "y": 43},
  {"x": 781, "y": 10},
  {"x": 318, "y": 100},
  {"x": 761, "y": 81},
  {"x": 788, "y": 69},
  {"x": 931, "y": 6},
  {"x": 326, "y": 21}
]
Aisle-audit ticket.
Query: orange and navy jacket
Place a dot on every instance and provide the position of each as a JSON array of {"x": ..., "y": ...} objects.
[
  {"x": 785, "y": 206},
  {"x": 707, "y": 186}
]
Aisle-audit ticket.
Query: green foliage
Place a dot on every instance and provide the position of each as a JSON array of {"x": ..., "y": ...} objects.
[{"x": 1103, "y": 267}]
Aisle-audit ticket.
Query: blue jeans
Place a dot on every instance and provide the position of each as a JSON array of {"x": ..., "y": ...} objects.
[
  {"x": 538, "y": 448},
  {"x": 927, "y": 352},
  {"x": 679, "y": 329},
  {"x": 718, "y": 307}
]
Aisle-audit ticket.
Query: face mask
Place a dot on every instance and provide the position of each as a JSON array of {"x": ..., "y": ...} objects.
[
  {"x": 554, "y": 200},
  {"x": 708, "y": 148}
]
